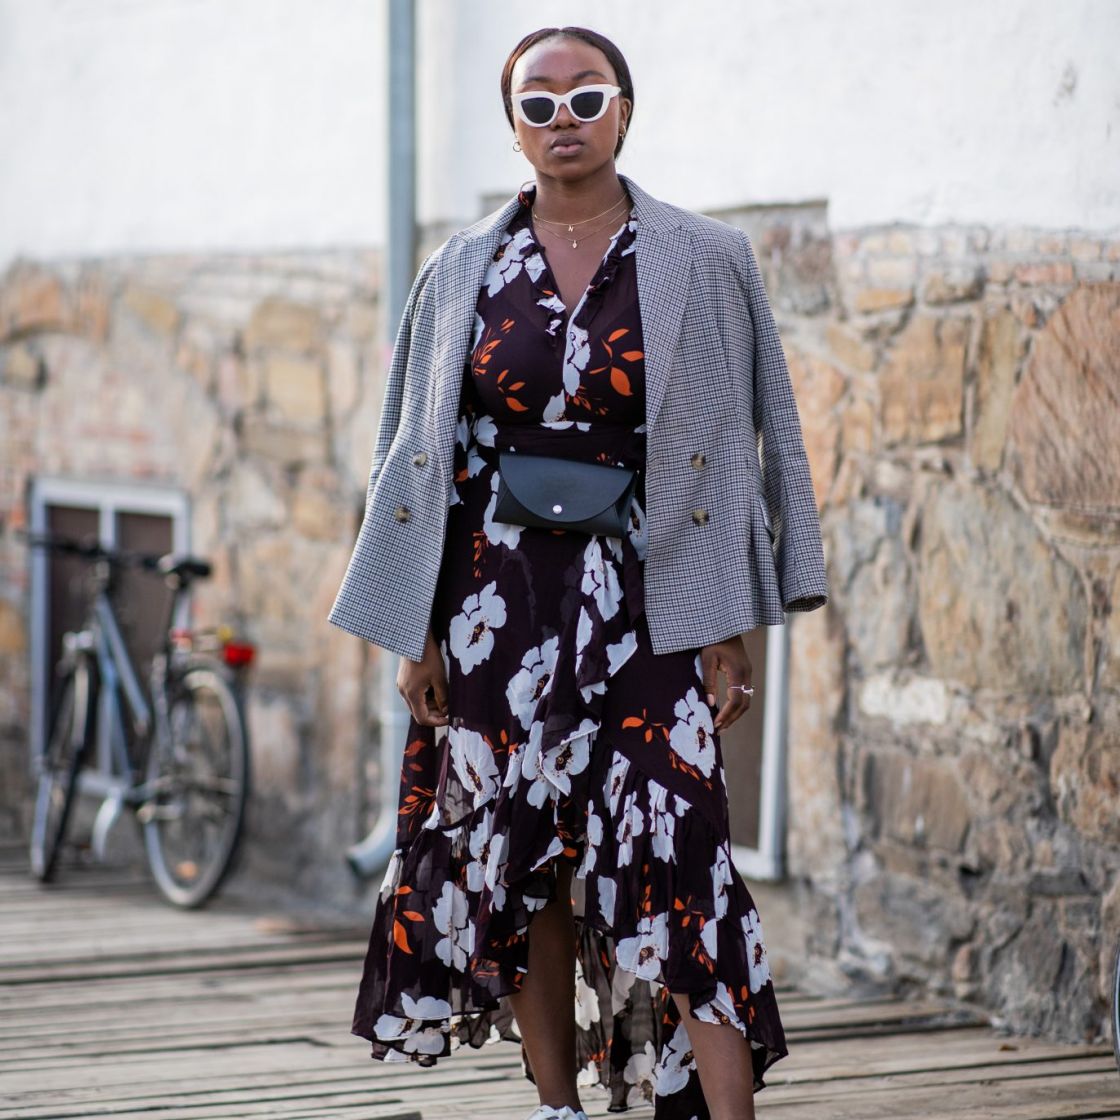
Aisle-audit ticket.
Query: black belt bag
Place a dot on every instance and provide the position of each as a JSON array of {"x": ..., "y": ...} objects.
[{"x": 552, "y": 493}]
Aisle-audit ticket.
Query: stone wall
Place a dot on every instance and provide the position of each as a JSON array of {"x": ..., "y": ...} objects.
[
  {"x": 954, "y": 712},
  {"x": 253, "y": 384},
  {"x": 954, "y": 735}
]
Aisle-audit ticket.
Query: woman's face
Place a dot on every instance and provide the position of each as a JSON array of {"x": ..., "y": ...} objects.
[{"x": 568, "y": 148}]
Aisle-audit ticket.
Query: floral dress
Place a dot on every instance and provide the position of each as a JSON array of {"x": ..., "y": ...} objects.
[{"x": 568, "y": 739}]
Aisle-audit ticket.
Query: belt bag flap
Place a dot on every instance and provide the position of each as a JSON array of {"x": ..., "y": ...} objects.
[{"x": 584, "y": 491}]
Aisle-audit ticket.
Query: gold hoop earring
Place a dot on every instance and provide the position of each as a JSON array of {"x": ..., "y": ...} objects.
[{"x": 517, "y": 145}]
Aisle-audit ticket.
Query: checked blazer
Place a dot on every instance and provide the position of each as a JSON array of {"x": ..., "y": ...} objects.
[{"x": 733, "y": 533}]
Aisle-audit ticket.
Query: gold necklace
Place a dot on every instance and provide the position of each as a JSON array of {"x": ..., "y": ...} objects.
[
  {"x": 583, "y": 237},
  {"x": 583, "y": 221}
]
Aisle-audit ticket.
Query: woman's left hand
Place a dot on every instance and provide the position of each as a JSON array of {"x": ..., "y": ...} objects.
[{"x": 730, "y": 658}]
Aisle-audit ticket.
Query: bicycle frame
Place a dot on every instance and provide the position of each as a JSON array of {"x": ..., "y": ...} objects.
[{"x": 111, "y": 772}]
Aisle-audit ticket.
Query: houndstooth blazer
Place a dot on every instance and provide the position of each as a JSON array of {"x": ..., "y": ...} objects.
[{"x": 733, "y": 534}]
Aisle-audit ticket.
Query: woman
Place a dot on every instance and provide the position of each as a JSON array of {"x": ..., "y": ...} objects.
[{"x": 563, "y": 872}]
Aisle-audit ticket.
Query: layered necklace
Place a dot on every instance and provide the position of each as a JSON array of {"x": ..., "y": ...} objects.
[{"x": 570, "y": 226}]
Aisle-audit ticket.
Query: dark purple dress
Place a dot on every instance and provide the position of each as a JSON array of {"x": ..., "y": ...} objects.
[{"x": 569, "y": 739}]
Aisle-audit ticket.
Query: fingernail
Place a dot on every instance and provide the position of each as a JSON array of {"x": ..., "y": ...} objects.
[{"x": 711, "y": 698}]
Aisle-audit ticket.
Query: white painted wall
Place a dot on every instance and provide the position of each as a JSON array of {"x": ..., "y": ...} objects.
[{"x": 150, "y": 125}]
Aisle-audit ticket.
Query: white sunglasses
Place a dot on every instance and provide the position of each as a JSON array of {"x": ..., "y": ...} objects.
[{"x": 585, "y": 103}]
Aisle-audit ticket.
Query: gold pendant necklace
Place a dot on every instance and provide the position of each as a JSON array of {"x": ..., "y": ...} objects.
[
  {"x": 571, "y": 225},
  {"x": 583, "y": 237}
]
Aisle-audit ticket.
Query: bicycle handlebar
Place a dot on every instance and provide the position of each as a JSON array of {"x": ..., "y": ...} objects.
[{"x": 165, "y": 564}]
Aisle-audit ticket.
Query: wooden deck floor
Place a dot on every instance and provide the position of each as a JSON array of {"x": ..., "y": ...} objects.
[{"x": 112, "y": 1004}]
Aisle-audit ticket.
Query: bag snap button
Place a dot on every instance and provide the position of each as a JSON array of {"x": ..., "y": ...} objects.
[
  {"x": 402, "y": 513},
  {"x": 699, "y": 516}
]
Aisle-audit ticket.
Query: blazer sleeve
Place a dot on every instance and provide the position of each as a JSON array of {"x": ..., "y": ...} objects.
[
  {"x": 391, "y": 403},
  {"x": 787, "y": 487}
]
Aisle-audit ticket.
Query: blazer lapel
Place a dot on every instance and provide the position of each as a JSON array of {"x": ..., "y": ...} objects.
[{"x": 662, "y": 264}]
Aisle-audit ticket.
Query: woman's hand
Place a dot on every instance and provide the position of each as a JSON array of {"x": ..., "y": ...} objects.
[
  {"x": 423, "y": 684},
  {"x": 730, "y": 658}
]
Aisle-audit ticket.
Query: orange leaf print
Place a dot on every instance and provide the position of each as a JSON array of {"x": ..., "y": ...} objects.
[
  {"x": 619, "y": 381},
  {"x": 400, "y": 937},
  {"x": 617, "y": 334},
  {"x": 632, "y": 721},
  {"x": 413, "y": 915},
  {"x": 632, "y": 355},
  {"x": 516, "y": 405}
]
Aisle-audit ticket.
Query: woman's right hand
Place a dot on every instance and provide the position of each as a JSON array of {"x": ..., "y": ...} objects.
[{"x": 423, "y": 684}]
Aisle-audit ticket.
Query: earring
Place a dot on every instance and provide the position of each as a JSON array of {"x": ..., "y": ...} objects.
[{"x": 517, "y": 145}]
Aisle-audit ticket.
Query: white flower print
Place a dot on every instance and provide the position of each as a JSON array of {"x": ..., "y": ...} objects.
[
  {"x": 594, "y": 839},
  {"x": 618, "y": 653},
  {"x": 477, "y": 331},
  {"x": 426, "y": 1007},
  {"x": 721, "y": 880},
  {"x": 554, "y": 304},
  {"x": 638, "y": 1073},
  {"x": 576, "y": 355},
  {"x": 498, "y": 532},
  {"x": 587, "y": 1002},
  {"x": 485, "y": 429},
  {"x": 620, "y": 766},
  {"x": 631, "y": 824},
  {"x": 671, "y": 1074},
  {"x": 509, "y": 264},
  {"x": 756, "y": 950},
  {"x": 533, "y": 680},
  {"x": 637, "y": 529},
  {"x": 608, "y": 893},
  {"x": 600, "y": 579},
  {"x": 450, "y": 916},
  {"x": 554, "y": 408},
  {"x": 480, "y": 851},
  {"x": 709, "y": 936},
  {"x": 662, "y": 821},
  {"x": 691, "y": 736},
  {"x": 643, "y": 953},
  {"x": 534, "y": 265},
  {"x": 495, "y": 877},
  {"x": 473, "y": 759},
  {"x": 391, "y": 879},
  {"x": 471, "y": 631},
  {"x": 569, "y": 757},
  {"x": 423, "y": 1040},
  {"x": 720, "y": 1008},
  {"x": 583, "y": 636}
]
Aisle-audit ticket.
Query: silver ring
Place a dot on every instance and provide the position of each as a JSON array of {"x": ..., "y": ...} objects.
[{"x": 741, "y": 688}]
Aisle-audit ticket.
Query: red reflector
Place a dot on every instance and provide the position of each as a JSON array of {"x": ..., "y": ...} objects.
[{"x": 235, "y": 654}]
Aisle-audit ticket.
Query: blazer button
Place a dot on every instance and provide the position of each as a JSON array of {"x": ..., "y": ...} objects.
[
  {"x": 700, "y": 516},
  {"x": 420, "y": 458},
  {"x": 698, "y": 460},
  {"x": 402, "y": 513}
]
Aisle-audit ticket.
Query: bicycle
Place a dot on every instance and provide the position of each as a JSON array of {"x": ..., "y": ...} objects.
[{"x": 183, "y": 772}]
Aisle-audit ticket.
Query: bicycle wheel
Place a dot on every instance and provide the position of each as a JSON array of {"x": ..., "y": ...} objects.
[
  {"x": 198, "y": 785},
  {"x": 58, "y": 768}
]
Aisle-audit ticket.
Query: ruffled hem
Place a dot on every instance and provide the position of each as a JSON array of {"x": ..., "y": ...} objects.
[{"x": 641, "y": 934}]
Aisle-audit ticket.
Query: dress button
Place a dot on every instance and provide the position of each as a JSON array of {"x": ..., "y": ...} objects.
[
  {"x": 698, "y": 460},
  {"x": 402, "y": 513},
  {"x": 420, "y": 458},
  {"x": 700, "y": 516}
]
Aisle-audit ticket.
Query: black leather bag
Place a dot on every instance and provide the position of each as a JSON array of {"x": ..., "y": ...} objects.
[{"x": 552, "y": 493}]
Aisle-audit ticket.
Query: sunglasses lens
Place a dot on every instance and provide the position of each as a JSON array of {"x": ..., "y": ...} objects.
[
  {"x": 538, "y": 110},
  {"x": 587, "y": 106}
]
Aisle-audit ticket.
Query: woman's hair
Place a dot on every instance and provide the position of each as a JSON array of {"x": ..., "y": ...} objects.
[{"x": 614, "y": 57}]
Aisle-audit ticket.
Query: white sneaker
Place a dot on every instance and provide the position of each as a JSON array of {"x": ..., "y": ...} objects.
[{"x": 564, "y": 1112}]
